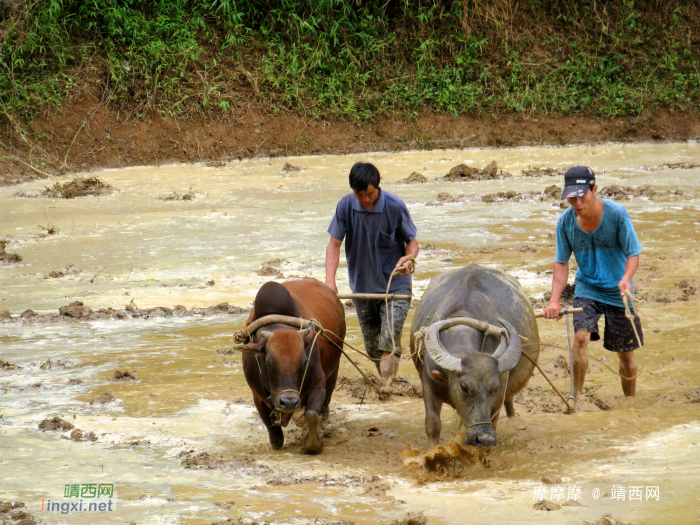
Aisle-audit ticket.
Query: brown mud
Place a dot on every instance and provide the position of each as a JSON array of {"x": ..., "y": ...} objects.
[
  {"x": 82, "y": 136},
  {"x": 382, "y": 389},
  {"x": 450, "y": 460}
]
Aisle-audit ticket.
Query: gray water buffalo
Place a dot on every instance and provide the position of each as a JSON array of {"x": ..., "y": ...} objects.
[{"x": 473, "y": 371}]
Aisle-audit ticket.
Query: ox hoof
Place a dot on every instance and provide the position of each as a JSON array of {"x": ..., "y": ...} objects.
[
  {"x": 276, "y": 437},
  {"x": 313, "y": 443}
]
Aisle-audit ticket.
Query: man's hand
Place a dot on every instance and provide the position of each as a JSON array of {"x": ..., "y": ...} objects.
[
  {"x": 405, "y": 265},
  {"x": 625, "y": 285},
  {"x": 552, "y": 311}
]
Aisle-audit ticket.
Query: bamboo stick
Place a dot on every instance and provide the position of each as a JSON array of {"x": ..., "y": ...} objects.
[
  {"x": 563, "y": 311},
  {"x": 380, "y": 296}
]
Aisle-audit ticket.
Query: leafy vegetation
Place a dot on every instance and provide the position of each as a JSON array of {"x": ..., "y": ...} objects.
[{"x": 352, "y": 59}]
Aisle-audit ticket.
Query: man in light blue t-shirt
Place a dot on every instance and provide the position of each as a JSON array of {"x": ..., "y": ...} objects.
[{"x": 600, "y": 234}]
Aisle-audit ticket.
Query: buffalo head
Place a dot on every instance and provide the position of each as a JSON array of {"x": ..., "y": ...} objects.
[
  {"x": 473, "y": 379},
  {"x": 283, "y": 357}
]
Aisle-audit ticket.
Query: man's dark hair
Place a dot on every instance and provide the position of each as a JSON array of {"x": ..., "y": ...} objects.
[{"x": 362, "y": 175}]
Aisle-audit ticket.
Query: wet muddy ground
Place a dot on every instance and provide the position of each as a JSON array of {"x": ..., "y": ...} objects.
[{"x": 119, "y": 321}]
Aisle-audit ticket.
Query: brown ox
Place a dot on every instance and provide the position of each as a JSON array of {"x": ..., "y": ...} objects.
[{"x": 280, "y": 357}]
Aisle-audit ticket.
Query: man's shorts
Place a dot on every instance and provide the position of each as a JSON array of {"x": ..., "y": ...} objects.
[
  {"x": 619, "y": 334},
  {"x": 375, "y": 325}
]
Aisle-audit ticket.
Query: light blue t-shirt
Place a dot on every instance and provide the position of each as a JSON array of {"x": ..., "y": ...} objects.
[{"x": 600, "y": 255}]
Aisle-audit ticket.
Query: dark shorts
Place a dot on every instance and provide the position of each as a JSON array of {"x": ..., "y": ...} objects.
[
  {"x": 375, "y": 324},
  {"x": 619, "y": 334}
]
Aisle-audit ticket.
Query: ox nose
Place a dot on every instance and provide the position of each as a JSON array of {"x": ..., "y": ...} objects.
[
  {"x": 288, "y": 402},
  {"x": 481, "y": 436}
]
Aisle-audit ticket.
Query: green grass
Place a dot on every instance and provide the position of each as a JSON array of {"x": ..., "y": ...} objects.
[{"x": 351, "y": 59}]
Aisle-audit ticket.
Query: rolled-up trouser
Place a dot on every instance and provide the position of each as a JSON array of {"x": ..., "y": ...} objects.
[{"x": 375, "y": 323}]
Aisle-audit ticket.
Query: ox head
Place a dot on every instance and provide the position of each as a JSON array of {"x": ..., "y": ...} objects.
[
  {"x": 285, "y": 354},
  {"x": 473, "y": 380}
]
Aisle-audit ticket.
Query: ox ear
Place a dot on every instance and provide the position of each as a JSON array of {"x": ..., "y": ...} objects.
[
  {"x": 438, "y": 375},
  {"x": 251, "y": 348}
]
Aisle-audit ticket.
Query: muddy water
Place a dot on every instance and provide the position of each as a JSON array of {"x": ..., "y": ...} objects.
[{"x": 189, "y": 399}]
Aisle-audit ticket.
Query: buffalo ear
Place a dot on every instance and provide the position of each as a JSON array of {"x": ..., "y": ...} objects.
[
  {"x": 251, "y": 348},
  {"x": 437, "y": 374}
]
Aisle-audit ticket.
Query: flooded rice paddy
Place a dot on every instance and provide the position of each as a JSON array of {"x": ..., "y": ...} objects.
[{"x": 181, "y": 441}]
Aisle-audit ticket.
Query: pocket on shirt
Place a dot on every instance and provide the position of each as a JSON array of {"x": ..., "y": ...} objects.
[{"x": 387, "y": 240}]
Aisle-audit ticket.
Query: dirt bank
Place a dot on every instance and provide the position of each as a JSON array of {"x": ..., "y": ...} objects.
[{"x": 83, "y": 136}]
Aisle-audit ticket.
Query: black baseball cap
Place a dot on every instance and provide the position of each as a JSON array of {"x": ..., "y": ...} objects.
[{"x": 577, "y": 181}]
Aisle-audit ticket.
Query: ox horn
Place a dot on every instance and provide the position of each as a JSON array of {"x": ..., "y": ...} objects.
[
  {"x": 262, "y": 335},
  {"x": 437, "y": 352},
  {"x": 508, "y": 352},
  {"x": 306, "y": 331}
]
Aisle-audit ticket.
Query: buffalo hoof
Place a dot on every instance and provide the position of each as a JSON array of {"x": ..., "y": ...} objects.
[
  {"x": 276, "y": 437},
  {"x": 313, "y": 443}
]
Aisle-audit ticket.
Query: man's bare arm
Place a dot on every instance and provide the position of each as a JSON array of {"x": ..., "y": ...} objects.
[
  {"x": 411, "y": 251},
  {"x": 332, "y": 259},
  {"x": 559, "y": 280},
  {"x": 631, "y": 266}
]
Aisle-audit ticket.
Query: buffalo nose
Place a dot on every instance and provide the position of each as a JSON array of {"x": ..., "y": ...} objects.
[
  {"x": 481, "y": 437},
  {"x": 289, "y": 401}
]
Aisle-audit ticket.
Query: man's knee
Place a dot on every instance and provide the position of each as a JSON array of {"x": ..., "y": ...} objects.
[
  {"x": 581, "y": 338},
  {"x": 627, "y": 360}
]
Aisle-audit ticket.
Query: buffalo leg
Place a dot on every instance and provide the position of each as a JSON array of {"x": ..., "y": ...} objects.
[
  {"x": 275, "y": 433},
  {"x": 510, "y": 409},
  {"x": 314, "y": 404},
  {"x": 433, "y": 425}
]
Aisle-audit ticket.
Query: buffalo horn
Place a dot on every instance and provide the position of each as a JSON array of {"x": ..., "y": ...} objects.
[
  {"x": 508, "y": 352},
  {"x": 305, "y": 332},
  {"x": 437, "y": 352}
]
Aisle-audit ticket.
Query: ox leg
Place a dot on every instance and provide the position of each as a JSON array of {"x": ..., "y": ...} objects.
[
  {"x": 330, "y": 387},
  {"x": 275, "y": 433},
  {"x": 314, "y": 405},
  {"x": 433, "y": 425}
]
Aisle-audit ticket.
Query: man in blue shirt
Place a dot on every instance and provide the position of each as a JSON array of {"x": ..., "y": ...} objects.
[
  {"x": 379, "y": 237},
  {"x": 600, "y": 234}
]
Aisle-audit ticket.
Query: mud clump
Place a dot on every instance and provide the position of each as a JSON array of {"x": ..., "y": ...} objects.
[
  {"x": 384, "y": 389},
  {"x": 412, "y": 518},
  {"x": 445, "y": 198},
  {"x": 269, "y": 271},
  {"x": 544, "y": 504},
  {"x": 102, "y": 399},
  {"x": 175, "y": 196},
  {"x": 542, "y": 172},
  {"x": 607, "y": 519},
  {"x": 615, "y": 192},
  {"x": 414, "y": 178},
  {"x": 464, "y": 173},
  {"x": 4, "y": 365},
  {"x": 123, "y": 377},
  {"x": 79, "y": 435},
  {"x": 289, "y": 167},
  {"x": 7, "y": 257},
  {"x": 553, "y": 192},
  {"x": 694, "y": 396},
  {"x": 15, "y": 513},
  {"x": 447, "y": 461},
  {"x": 76, "y": 310},
  {"x": 203, "y": 460},
  {"x": 69, "y": 269},
  {"x": 55, "y": 423},
  {"x": 78, "y": 187}
]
